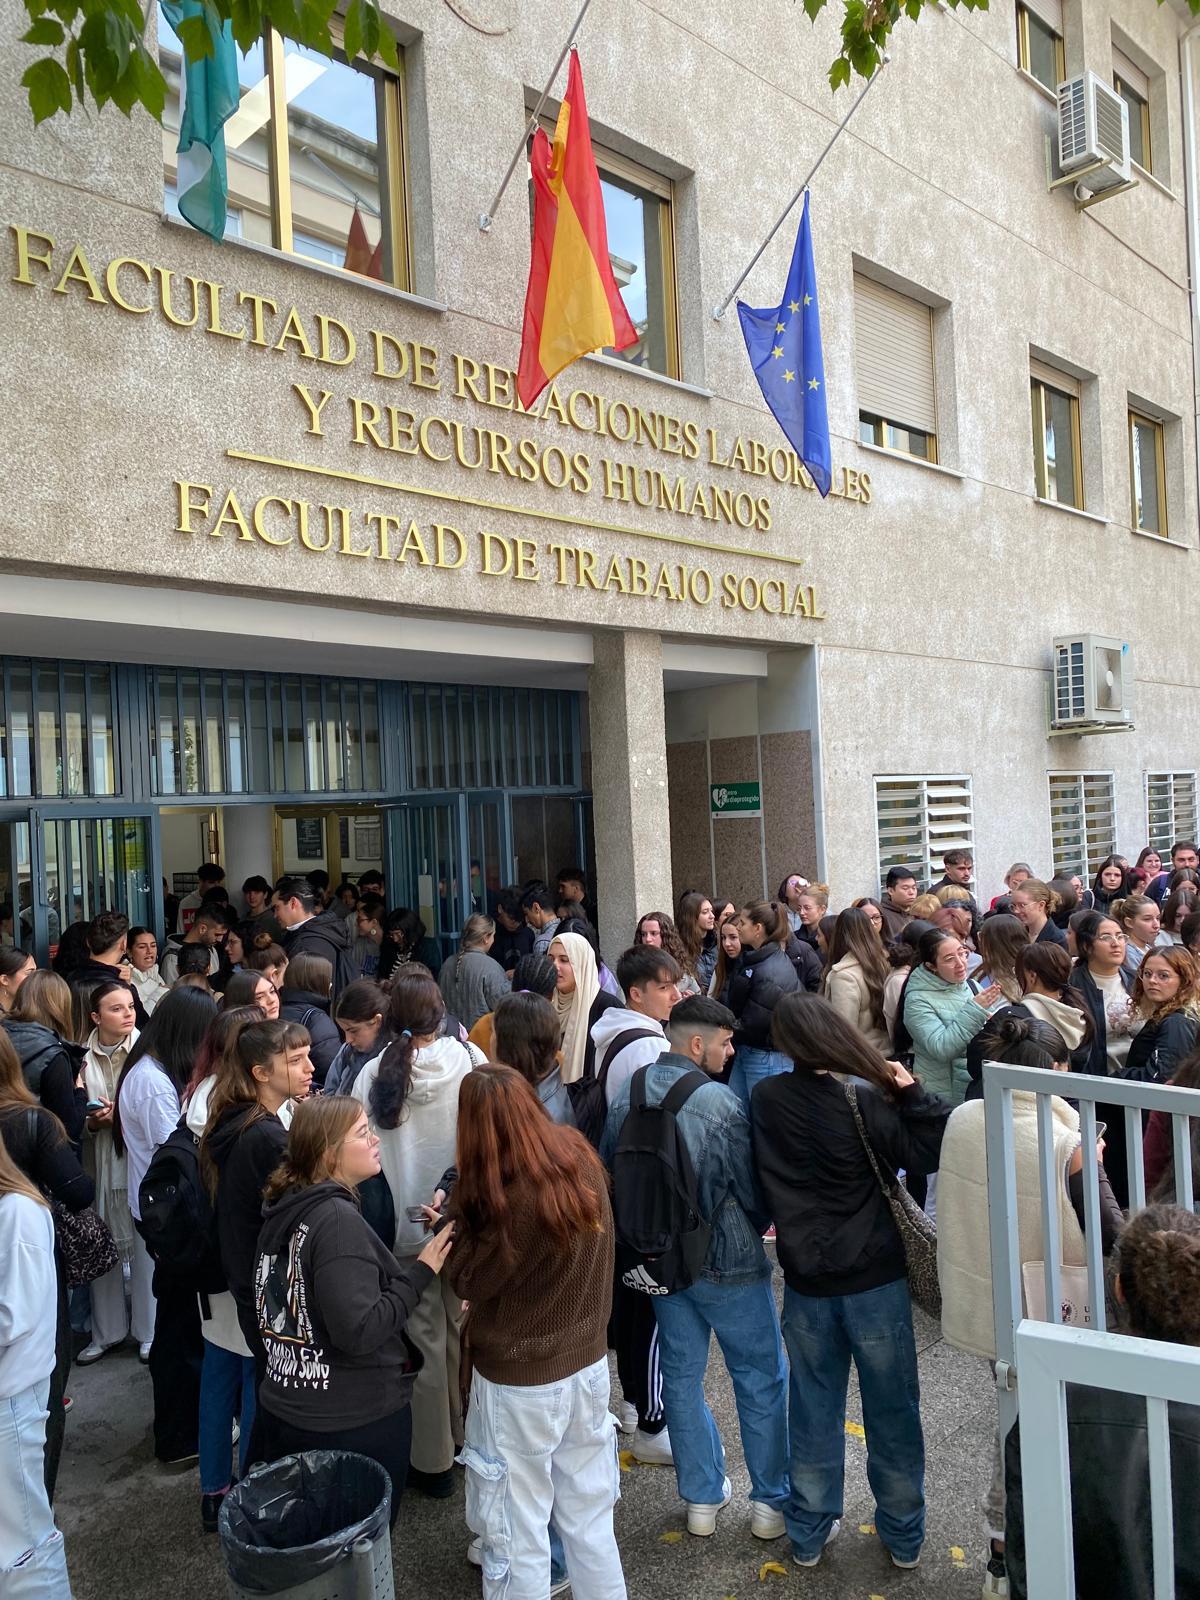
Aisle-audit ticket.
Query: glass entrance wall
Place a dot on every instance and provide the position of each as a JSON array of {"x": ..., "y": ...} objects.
[
  {"x": 16, "y": 884},
  {"x": 56, "y": 729}
]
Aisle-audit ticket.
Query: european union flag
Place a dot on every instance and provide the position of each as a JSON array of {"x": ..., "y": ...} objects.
[{"x": 784, "y": 342}]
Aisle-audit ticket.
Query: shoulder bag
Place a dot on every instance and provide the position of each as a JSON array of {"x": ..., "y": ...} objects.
[
  {"x": 87, "y": 1247},
  {"x": 917, "y": 1232}
]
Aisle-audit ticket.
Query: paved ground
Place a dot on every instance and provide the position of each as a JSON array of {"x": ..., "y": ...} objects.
[{"x": 133, "y": 1528}]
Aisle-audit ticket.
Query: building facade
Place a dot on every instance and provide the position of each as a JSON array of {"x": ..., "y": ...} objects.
[{"x": 288, "y": 577}]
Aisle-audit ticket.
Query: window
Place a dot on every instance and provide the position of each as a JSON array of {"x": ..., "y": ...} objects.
[
  {"x": 1133, "y": 86},
  {"x": 1057, "y": 454},
  {"x": 897, "y": 405},
  {"x": 315, "y": 152},
  {"x": 639, "y": 219},
  {"x": 56, "y": 729},
  {"x": 1147, "y": 474},
  {"x": 918, "y": 819},
  {"x": 1170, "y": 809},
  {"x": 1040, "y": 42},
  {"x": 1083, "y": 827},
  {"x": 493, "y": 738}
]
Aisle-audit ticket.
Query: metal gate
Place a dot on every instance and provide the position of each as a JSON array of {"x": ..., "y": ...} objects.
[{"x": 1036, "y": 1360}]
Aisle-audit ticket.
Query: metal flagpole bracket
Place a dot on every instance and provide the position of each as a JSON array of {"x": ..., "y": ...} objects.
[
  {"x": 719, "y": 311},
  {"x": 485, "y": 217}
]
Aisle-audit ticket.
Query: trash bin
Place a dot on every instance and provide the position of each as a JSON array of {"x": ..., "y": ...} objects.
[{"x": 310, "y": 1527}]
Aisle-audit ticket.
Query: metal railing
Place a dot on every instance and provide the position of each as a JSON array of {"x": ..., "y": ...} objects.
[{"x": 1044, "y": 1357}]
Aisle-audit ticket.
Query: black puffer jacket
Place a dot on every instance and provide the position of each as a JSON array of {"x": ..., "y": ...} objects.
[
  {"x": 763, "y": 977},
  {"x": 50, "y": 1066},
  {"x": 807, "y": 962},
  {"x": 1157, "y": 1050},
  {"x": 311, "y": 1011}
]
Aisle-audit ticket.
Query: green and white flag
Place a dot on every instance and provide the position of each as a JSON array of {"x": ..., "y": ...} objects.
[{"x": 209, "y": 95}]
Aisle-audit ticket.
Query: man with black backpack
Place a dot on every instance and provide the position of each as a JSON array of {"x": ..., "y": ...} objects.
[{"x": 689, "y": 1219}]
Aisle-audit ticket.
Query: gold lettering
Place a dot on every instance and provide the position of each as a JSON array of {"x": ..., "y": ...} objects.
[
  {"x": 713, "y": 456},
  {"x": 424, "y": 367},
  {"x": 293, "y": 333},
  {"x": 489, "y": 542},
  {"x": 26, "y": 256},
  {"x": 365, "y": 426},
  {"x": 614, "y": 575},
  {"x": 214, "y": 313},
  {"x": 500, "y": 383},
  {"x": 585, "y": 562},
  {"x": 306, "y": 539},
  {"x": 616, "y": 480},
  {"x": 231, "y": 513},
  {"x": 691, "y": 441},
  {"x": 187, "y": 505},
  {"x": 387, "y": 524},
  {"x": 864, "y": 483},
  {"x": 639, "y": 576},
  {"x": 441, "y": 534},
  {"x": 499, "y": 449},
  {"x": 403, "y": 426},
  {"x": 256, "y": 302},
  {"x": 560, "y": 553},
  {"x": 384, "y": 342},
  {"x": 525, "y": 568},
  {"x": 315, "y": 407},
  {"x": 114, "y": 292},
  {"x": 554, "y": 408},
  {"x": 466, "y": 378},
  {"x": 165, "y": 275},
  {"x": 346, "y": 548},
  {"x": 260, "y": 517},
  {"x": 581, "y": 394},
  {"x": 427, "y": 424},
  {"x": 79, "y": 271},
  {"x": 529, "y": 471},
  {"x": 349, "y": 343}
]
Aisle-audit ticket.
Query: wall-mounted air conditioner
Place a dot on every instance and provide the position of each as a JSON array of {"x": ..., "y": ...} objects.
[
  {"x": 1093, "y": 135},
  {"x": 1092, "y": 691}
]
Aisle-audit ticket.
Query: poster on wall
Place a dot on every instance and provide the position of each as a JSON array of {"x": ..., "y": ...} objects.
[
  {"x": 310, "y": 839},
  {"x": 368, "y": 841}
]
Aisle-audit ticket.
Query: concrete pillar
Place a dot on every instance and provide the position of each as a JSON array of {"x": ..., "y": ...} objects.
[{"x": 629, "y": 784}]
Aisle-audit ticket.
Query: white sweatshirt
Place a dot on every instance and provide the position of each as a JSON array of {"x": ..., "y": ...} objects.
[{"x": 28, "y": 1294}]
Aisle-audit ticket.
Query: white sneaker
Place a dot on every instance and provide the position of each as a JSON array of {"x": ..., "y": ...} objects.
[
  {"x": 144, "y": 1352},
  {"x": 766, "y": 1522},
  {"x": 627, "y": 1418},
  {"x": 906, "y": 1566},
  {"x": 702, "y": 1520},
  {"x": 811, "y": 1561},
  {"x": 90, "y": 1353},
  {"x": 653, "y": 1449},
  {"x": 237, "y": 1430}
]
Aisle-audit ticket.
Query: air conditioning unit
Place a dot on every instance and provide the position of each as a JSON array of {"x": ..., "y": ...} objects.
[
  {"x": 1093, "y": 134},
  {"x": 1093, "y": 685}
]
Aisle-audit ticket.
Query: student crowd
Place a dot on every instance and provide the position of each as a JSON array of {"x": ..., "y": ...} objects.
[{"x": 343, "y": 1194}]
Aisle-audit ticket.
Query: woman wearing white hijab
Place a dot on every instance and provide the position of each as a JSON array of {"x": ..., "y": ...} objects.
[{"x": 577, "y": 1000}]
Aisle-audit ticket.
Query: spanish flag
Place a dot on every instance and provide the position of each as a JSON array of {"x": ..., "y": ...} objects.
[{"x": 572, "y": 303}]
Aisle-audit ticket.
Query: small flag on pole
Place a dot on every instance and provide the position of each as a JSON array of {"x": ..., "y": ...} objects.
[
  {"x": 209, "y": 95},
  {"x": 784, "y": 343},
  {"x": 572, "y": 303},
  {"x": 360, "y": 257}
]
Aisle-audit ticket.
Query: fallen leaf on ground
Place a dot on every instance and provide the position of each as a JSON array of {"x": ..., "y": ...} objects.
[
  {"x": 625, "y": 1460},
  {"x": 956, "y": 1554},
  {"x": 670, "y": 1538},
  {"x": 866, "y": 1527},
  {"x": 771, "y": 1568},
  {"x": 857, "y": 1429}
]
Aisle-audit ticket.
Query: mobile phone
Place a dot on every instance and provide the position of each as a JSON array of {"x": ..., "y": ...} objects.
[
  {"x": 93, "y": 1106},
  {"x": 415, "y": 1213}
]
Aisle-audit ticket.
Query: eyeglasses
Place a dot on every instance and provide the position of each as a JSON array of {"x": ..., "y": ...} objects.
[{"x": 1110, "y": 938}]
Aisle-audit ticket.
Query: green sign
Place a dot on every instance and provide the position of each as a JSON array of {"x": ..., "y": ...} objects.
[{"x": 736, "y": 800}]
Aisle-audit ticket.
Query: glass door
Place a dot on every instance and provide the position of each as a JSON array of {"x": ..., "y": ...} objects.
[
  {"x": 84, "y": 864},
  {"x": 489, "y": 849},
  {"x": 16, "y": 883},
  {"x": 429, "y": 865}
]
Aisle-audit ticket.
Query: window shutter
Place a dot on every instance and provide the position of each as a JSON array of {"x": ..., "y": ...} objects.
[
  {"x": 1131, "y": 75},
  {"x": 1170, "y": 808},
  {"x": 1082, "y": 821},
  {"x": 1062, "y": 381},
  {"x": 918, "y": 819},
  {"x": 1050, "y": 11},
  {"x": 894, "y": 365}
]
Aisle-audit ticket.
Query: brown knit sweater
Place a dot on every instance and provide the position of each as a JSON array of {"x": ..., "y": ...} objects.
[{"x": 544, "y": 1317}]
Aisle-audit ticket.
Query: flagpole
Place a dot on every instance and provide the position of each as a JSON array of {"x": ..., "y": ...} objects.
[
  {"x": 485, "y": 218},
  {"x": 719, "y": 311}
]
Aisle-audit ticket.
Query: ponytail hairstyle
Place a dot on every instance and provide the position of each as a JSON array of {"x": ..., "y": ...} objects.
[
  {"x": 817, "y": 1038},
  {"x": 1158, "y": 1273},
  {"x": 477, "y": 930},
  {"x": 1068, "y": 899},
  {"x": 214, "y": 1047},
  {"x": 1041, "y": 893},
  {"x": 1123, "y": 911},
  {"x": 251, "y": 1044},
  {"x": 320, "y": 1127},
  {"x": 172, "y": 1038},
  {"x": 771, "y": 917},
  {"x": 854, "y": 935},
  {"x": 1023, "y": 1042},
  {"x": 415, "y": 1010},
  {"x": 1050, "y": 965}
]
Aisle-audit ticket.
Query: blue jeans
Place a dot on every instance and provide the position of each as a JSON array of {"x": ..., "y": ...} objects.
[
  {"x": 226, "y": 1385},
  {"x": 558, "y": 1559},
  {"x": 751, "y": 1066},
  {"x": 743, "y": 1318},
  {"x": 822, "y": 1333},
  {"x": 33, "y": 1563}
]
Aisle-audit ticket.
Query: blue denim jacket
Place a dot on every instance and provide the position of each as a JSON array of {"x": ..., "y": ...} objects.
[{"x": 717, "y": 1133}]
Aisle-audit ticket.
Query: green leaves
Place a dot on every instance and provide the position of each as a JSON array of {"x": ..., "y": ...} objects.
[{"x": 49, "y": 89}]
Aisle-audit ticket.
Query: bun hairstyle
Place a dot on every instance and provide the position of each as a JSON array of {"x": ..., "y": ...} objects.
[
  {"x": 1124, "y": 911},
  {"x": 265, "y": 953},
  {"x": 903, "y": 952},
  {"x": 415, "y": 1010},
  {"x": 1040, "y": 892},
  {"x": 1158, "y": 1256},
  {"x": 1024, "y": 1042},
  {"x": 320, "y": 1126}
]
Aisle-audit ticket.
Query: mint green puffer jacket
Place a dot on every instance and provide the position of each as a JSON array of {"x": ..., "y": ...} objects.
[{"x": 942, "y": 1019}]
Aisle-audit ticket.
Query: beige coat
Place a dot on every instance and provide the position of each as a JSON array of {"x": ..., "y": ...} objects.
[
  {"x": 847, "y": 992},
  {"x": 964, "y": 1240}
]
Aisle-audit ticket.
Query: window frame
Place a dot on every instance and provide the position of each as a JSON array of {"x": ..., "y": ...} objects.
[
  {"x": 879, "y": 427},
  {"x": 879, "y": 422},
  {"x": 1024, "y": 58},
  {"x": 933, "y": 790},
  {"x": 1064, "y": 867},
  {"x": 1162, "y": 838},
  {"x": 1138, "y": 104},
  {"x": 624, "y": 170},
  {"x": 1041, "y": 474},
  {"x": 1142, "y": 419}
]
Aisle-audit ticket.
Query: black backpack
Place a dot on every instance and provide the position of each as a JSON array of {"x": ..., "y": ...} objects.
[
  {"x": 589, "y": 1096},
  {"x": 662, "y": 1239},
  {"x": 177, "y": 1220}
]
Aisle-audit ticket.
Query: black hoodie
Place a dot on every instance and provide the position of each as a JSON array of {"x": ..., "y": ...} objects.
[
  {"x": 245, "y": 1147},
  {"x": 327, "y": 934},
  {"x": 332, "y": 1303}
]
